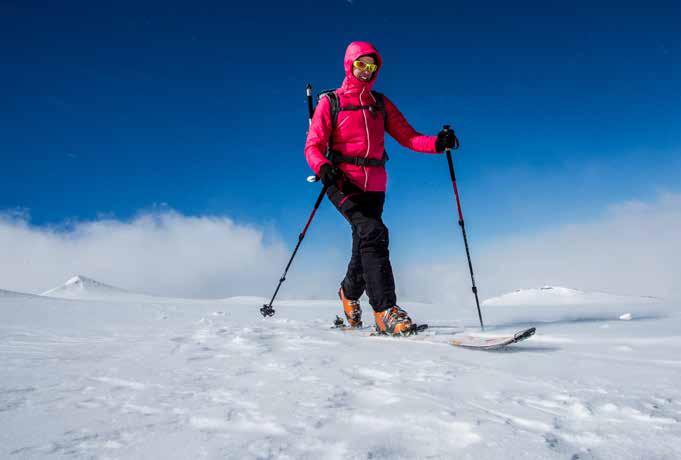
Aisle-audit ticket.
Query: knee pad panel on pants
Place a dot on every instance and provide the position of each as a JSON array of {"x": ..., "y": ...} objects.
[{"x": 373, "y": 237}]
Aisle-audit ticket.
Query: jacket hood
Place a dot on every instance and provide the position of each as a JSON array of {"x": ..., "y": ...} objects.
[{"x": 354, "y": 51}]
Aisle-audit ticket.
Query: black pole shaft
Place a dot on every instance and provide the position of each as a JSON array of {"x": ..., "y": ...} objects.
[
  {"x": 463, "y": 230},
  {"x": 267, "y": 309}
]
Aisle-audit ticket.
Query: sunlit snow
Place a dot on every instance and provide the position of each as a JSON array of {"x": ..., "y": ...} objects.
[{"x": 99, "y": 372}]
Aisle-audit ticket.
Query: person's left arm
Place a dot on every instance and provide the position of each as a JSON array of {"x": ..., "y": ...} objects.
[{"x": 399, "y": 128}]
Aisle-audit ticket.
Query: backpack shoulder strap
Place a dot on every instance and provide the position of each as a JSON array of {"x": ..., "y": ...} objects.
[
  {"x": 334, "y": 103},
  {"x": 380, "y": 104},
  {"x": 380, "y": 99}
]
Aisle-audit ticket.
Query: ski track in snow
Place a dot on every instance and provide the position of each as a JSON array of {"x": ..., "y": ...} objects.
[{"x": 201, "y": 379}]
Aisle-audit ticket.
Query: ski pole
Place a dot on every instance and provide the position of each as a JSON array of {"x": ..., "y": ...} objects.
[
  {"x": 461, "y": 222},
  {"x": 267, "y": 309}
]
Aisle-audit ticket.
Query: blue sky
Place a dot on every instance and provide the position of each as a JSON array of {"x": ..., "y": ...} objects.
[{"x": 562, "y": 110}]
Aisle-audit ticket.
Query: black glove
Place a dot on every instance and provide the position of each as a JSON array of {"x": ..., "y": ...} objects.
[
  {"x": 446, "y": 139},
  {"x": 329, "y": 174}
]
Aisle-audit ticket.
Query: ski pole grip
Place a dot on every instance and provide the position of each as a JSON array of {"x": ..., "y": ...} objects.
[
  {"x": 310, "y": 108},
  {"x": 447, "y": 128},
  {"x": 310, "y": 113}
]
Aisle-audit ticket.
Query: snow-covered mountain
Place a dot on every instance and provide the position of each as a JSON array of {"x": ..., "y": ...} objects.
[
  {"x": 556, "y": 296},
  {"x": 81, "y": 287},
  {"x": 173, "y": 379}
]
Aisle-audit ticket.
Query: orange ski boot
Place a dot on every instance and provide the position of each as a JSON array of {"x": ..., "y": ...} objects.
[
  {"x": 393, "y": 321},
  {"x": 352, "y": 309}
]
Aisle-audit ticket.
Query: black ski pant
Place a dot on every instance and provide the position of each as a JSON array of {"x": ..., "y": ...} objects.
[{"x": 369, "y": 268}]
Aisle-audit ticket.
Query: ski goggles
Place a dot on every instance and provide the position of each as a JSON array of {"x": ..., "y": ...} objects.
[{"x": 361, "y": 65}]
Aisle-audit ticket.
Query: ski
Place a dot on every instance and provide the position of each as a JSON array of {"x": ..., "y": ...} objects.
[
  {"x": 492, "y": 343},
  {"x": 469, "y": 341}
]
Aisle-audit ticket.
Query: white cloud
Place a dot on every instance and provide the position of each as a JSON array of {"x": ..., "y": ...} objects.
[
  {"x": 162, "y": 253},
  {"x": 633, "y": 249}
]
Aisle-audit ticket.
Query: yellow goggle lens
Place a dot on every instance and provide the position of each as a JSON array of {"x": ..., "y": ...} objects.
[{"x": 365, "y": 66}]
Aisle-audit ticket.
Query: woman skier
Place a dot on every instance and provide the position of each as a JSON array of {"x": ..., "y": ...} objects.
[{"x": 345, "y": 149}]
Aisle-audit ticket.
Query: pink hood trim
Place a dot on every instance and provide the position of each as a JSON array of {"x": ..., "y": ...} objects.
[{"x": 354, "y": 51}]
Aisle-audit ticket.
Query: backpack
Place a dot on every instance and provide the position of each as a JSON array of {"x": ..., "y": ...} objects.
[{"x": 334, "y": 103}]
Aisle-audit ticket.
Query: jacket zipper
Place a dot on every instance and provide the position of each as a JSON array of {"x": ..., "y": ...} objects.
[{"x": 366, "y": 125}]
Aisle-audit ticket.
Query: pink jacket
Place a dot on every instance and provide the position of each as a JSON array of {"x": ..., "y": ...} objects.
[{"x": 359, "y": 133}]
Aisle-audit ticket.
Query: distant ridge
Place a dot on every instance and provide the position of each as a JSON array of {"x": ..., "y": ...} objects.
[
  {"x": 5, "y": 293},
  {"x": 557, "y": 295}
]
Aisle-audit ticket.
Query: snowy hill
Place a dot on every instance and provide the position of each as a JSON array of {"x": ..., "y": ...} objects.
[
  {"x": 9, "y": 294},
  {"x": 179, "y": 379},
  {"x": 556, "y": 296},
  {"x": 81, "y": 287}
]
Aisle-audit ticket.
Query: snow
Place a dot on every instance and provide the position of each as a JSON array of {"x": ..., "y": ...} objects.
[
  {"x": 560, "y": 296},
  {"x": 105, "y": 373},
  {"x": 4, "y": 293}
]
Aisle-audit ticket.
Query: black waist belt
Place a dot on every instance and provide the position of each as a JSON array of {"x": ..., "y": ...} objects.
[{"x": 337, "y": 157}]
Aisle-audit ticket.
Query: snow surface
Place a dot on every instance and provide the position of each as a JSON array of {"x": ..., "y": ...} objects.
[
  {"x": 556, "y": 295},
  {"x": 137, "y": 377},
  {"x": 4, "y": 293}
]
